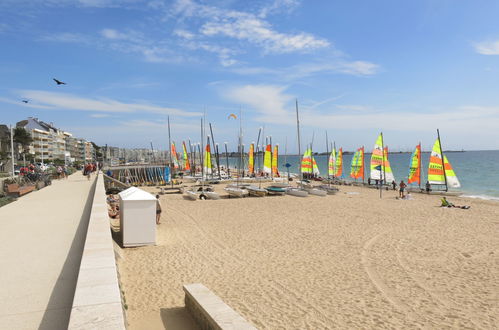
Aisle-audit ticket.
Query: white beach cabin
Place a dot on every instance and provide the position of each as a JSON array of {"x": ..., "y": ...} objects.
[{"x": 137, "y": 217}]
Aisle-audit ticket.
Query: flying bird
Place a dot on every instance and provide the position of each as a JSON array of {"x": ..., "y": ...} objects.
[
  {"x": 25, "y": 101},
  {"x": 59, "y": 82}
]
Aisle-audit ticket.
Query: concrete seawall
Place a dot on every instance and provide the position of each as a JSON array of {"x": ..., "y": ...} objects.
[{"x": 97, "y": 301}]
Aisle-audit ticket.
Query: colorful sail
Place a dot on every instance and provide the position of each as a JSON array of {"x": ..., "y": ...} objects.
[
  {"x": 339, "y": 164},
  {"x": 388, "y": 175},
  {"x": 377, "y": 166},
  {"x": 415, "y": 166},
  {"x": 275, "y": 159},
  {"x": 315, "y": 167},
  {"x": 331, "y": 167},
  {"x": 207, "y": 159},
  {"x": 267, "y": 160},
  {"x": 306, "y": 162},
  {"x": 187, "y": 164},
  {"x": 251, "y": 159},
  {"x": 436, "y": 170},
  {"x": 173, "y": 151},
  {"x": 357, "y": 165}
]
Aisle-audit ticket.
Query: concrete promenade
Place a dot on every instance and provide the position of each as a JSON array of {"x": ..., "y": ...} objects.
[{"x": 41, "y": 241}]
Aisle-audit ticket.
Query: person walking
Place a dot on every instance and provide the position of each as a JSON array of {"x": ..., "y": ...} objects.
[
  {"x": 158, "y": 210},
  {"x": 402, "y": 186}
]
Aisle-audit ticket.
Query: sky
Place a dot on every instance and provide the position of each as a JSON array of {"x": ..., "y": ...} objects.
[{"x": 355, "y": 68}]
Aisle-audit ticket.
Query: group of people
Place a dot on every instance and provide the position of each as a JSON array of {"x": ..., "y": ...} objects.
[
  {"x": 88, "y": 169},
  {"x": 113, "y": 209}
]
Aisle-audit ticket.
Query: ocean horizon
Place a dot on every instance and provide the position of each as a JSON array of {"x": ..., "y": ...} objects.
[{"x": 477, "y": 171}]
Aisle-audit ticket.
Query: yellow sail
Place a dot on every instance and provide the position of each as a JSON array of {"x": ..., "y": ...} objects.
[
  {"x": 251, "y": 159},
  {"x": 267, "y": 160}
]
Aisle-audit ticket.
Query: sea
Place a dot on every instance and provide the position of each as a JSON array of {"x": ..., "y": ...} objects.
[{"x": 477, "y": 171}]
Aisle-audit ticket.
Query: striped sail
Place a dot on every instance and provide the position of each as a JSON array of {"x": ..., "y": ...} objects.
[
  {"x": 388, "y": 169},
  {"x": 315, "y": 167},
  {"x": 275, "y": 159},
  {"x": 339, "y": 164},
  {"x": 377, "y": 170},
  {"x": 173, "y": 151},
  {"x": 251, "y": 159},
  {"x": 332, "y": 163},
  {"x": 267, "y": 160},
  {"x": 187, "y": 164},
  {"x": 415, "y": 166},
  {"x": 436, "y": 170},
  {"x": 207, "y": 159},
  {"x": 306, "y": 162},
  {"x": 357, "y": 165}
]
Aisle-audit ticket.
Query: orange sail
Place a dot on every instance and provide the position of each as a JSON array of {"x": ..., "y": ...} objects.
[
  {"x": 187, "y": 164},
  {"x": 415, "y": 166},
  {"x": 275, "y": 159}
]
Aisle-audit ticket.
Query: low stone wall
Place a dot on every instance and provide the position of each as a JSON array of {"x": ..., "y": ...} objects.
[
  {"x": 97, "y": 301},
  {"x": 210, "y": 312}
]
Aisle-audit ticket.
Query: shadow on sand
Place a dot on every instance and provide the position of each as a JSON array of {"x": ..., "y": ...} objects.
[{"x": 178, "y": 319}]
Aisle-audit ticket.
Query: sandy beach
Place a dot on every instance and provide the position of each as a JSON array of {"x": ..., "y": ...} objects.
[{"x": 345, "y": 261}]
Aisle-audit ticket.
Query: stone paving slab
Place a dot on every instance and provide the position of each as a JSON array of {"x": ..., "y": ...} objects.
[{"x": 41, "y": 243}]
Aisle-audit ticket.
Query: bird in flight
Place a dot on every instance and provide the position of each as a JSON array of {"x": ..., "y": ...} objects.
[
  {"x": 59, "y": 82},
  {"x": 25, "y": 101}
]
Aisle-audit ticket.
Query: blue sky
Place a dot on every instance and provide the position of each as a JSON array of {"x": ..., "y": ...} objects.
[{"x": 356, "y": 68}]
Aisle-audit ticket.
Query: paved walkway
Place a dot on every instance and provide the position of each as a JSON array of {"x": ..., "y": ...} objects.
[{"x": 41, "y": 240}]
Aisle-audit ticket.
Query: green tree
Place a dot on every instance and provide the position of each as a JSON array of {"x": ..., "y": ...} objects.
[{"x": 22, "y": 137}]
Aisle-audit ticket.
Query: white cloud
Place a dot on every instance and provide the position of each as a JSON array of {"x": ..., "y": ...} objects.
[
  {"x": 275, "y": 106},
  {"x": 333, "y": 65},
  {"x": 99, "y": 115},
  {"x": 256, "y": 31},
  {"x": 268, "y": 100},
  {"x": 278, "y": 6},
  {"x": 487, "y": 47},
  {"x": 68, "y": 37},
  {"x": 63, "y": 101},
  {"x": 247, "y": 26}
]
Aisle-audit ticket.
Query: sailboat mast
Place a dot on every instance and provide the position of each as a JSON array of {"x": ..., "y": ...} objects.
[
  {"x": 336, "y": 161},
  {"x": 170, "y": 148},
  {"x": 227, "y": 159},
  {"x": 201, "y": 152},
  {"x": 299, "y": 148},
  {"x": 257, "y": 147},
  {"x": 443, "y": 163},
  {"x": 216, "y": 152},
  {"x": 271, "y": 159},
  {"x": 419, "y": 165},
  {"x": 327, "y": 162},
  {"x": 382, "y": 166}
]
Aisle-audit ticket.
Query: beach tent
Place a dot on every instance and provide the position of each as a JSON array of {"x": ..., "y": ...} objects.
[{"x": 137, "y": 217}]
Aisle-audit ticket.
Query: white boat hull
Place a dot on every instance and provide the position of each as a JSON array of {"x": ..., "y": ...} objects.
[
  {"x": 317, "y": 192},
  {"x": 236, "y": 192},
  {"x": 297, "y": 192}
]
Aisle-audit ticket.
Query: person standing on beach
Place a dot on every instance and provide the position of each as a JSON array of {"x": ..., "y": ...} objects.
[
  {"x": 402, "y": 186},
  {"x": 158, "y": 210}
]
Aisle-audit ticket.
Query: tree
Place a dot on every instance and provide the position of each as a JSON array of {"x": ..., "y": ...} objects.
[
  {"x": 98, "y": 152},
  {"x": 22, "y": 137}
]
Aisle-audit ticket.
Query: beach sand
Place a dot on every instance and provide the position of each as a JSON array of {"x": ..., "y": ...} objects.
[{"x": 351, "y": 260}]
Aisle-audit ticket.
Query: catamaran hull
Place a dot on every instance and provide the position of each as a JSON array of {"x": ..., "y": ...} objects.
[
  {"x": 297, "y": 192},
  {"x": 328, "y": 189},
  {"x": 317, "y": 192},
  {"x": 236, "y": 192}
]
